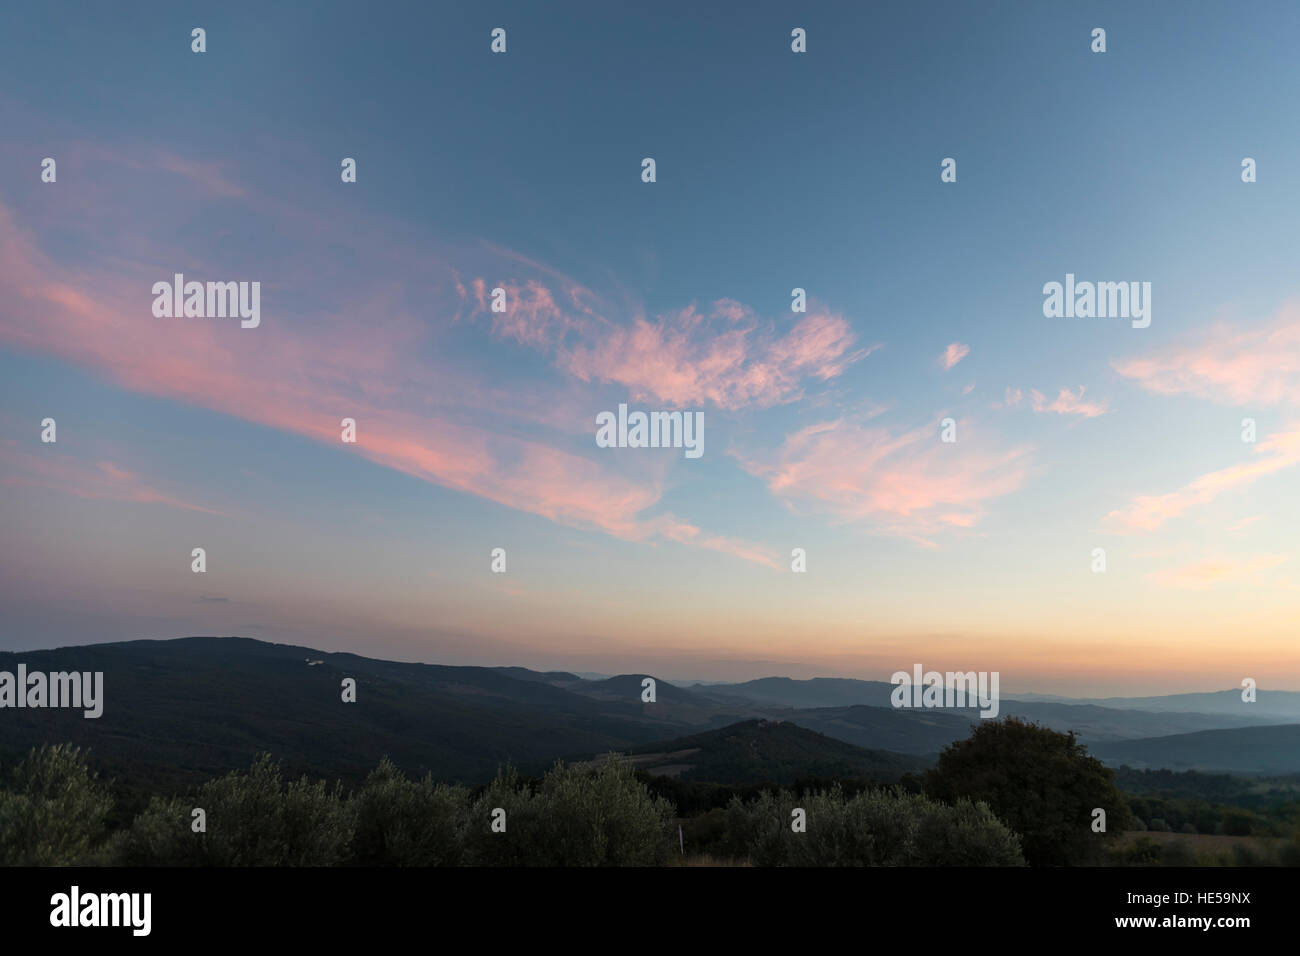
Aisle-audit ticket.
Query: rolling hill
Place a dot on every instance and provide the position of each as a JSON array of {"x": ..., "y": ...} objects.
[
  {"x": 184, "y": 710},
  {"x": 769, "y": 751},
  {"x": 190, "y": 708},
  {"x": 1275, "y": 706},
  {"x": 884, "y": 728},
  {"x": 1253, "y": 750},
  {"x": 1113, "y": 719}
]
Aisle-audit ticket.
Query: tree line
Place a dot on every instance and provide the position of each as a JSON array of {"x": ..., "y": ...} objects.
[{"x": 1012, "y": 794}]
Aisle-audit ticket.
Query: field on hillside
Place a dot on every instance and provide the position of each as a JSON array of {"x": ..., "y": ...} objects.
[{"x": 1200, "y": 849}]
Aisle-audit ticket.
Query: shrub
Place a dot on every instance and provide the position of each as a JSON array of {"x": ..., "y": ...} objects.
[
  {"x": 706, "y": 833},
  {"x": 1245, "y": 855},
  {"x": 53, "y": 812},
  {"x": 580, "y": 815},
  {"x": 1238, "y": 822},
  {"x": 252, "y": 819},
  {"x": 401, "y": 822},
  {"x": 965, "y": 834},
  {"x": 1177, "y": 853},
  {"x": 1144, "y": 851},
  {"x": 873, "y": 828}
]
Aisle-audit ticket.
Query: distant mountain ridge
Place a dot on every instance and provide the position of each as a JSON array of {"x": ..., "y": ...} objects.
[
  {"x": 194, "y": 707},
  {"x": 1251, "y": 750},
  {"x": 190, "y": 708},
  {"x": 847, "y": 691}
]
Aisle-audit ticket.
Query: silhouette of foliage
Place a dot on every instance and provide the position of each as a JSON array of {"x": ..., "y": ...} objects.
[
  {"x": 252, "y": 819},
  {"x": 873, "y": 828},
  {"x": 597, "y": 815},
  {"x": 401, "y": 822},
  {"x": 1040, "y": 783},
  {"x": 53, "y": 812}
]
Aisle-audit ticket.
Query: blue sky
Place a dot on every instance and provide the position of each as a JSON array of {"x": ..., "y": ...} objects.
[{"x": 774, "y": 170}]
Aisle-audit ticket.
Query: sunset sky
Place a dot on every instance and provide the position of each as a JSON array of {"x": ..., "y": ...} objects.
[{"x": 775, "y": 170}]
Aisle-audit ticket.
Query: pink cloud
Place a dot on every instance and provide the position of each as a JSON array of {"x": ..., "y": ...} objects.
[
  {"x": 102, "y": 480},
  {"x": 1148, "y": 512},
  {"x": 210, "y": 175},
  {"x": 532, "y": 316},
  {"x": 953, "y": 354},
  {"x": 908, "y": 483},
  {"x": 1241, "y": 525},
  {"x": 1067, "y": 403},
  {"x": 1211, "y": 571},
  {"x": 686, "y": 533},
  {"x": 369, "y": 357},
  {"x": 1228, "y": 364},
  {"x": 725, "y": 356},
  {"x": 722, "y": 355}
]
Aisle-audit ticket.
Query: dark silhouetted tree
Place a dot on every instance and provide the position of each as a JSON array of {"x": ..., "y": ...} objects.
[{"x": 1040, "y": 783}]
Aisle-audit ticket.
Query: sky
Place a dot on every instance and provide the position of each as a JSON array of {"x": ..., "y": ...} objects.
[{"x": 823, "y": 429}]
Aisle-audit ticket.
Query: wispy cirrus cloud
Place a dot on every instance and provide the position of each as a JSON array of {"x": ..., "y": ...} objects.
[
  {"x": 210, "y": 175},
  {"x": 1273, "y": 454},
  {"x": 370, "y": 356},
  {"x": 685, "y": 533},
  {"x": 906, "y": 483},
  {"x": 1228, "y": 364},
  {"x": 1242, "y": 524},
  {"x": 723, "y": 356},
  {"x": 97, "y": 480},
  {"x": 1067, "y": 403},
  {"x": 533, "y": 317}
]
